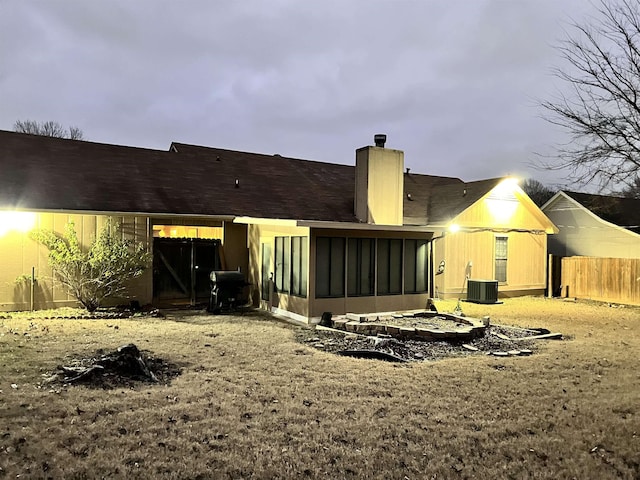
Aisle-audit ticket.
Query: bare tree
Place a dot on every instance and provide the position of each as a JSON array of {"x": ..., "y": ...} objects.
[
  {"x": 537, "y": 192},
  {"x": 47, "y": 129},
  {"x": 632, "y": 189},
  {"x": 601, "y": 110}
]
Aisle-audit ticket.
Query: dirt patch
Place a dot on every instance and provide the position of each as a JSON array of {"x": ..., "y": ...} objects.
[
  {"x": 125, "y": 367},
  {"x": 493, "y": 342}
]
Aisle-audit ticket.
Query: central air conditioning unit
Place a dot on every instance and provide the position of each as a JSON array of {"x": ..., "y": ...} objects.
[{"x": 482, "y": 291}]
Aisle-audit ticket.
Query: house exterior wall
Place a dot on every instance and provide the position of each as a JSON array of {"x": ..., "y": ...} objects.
[
  {"x": 473, "y": 254},
  {"x": 19, "y": 254},
  {"x": 309, "y": 307},
  {"x": 361, "y": 304},
  {"x": 583, "y": 234},
  {"x": 259, "y": 234},
  {"x": 470, "y": 253}
]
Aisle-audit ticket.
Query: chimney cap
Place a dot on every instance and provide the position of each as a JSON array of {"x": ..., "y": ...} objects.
[{"x": 380, "y": 139}]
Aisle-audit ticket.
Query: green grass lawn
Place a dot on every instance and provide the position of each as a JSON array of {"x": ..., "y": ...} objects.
[{"x": 251, "y": 402}]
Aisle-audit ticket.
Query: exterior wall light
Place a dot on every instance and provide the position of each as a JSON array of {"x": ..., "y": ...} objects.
[
  {"x": 11, "y": 220},
  {"x": 454, "y": 227},
  {"x": 502, "y": 202}
]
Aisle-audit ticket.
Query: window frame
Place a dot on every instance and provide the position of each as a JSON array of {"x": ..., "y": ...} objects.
[{"x": 500, "y": 260}]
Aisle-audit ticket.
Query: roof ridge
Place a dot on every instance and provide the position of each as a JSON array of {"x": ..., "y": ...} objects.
[
  {"x": 46, "y": 138},
  {"x": 244, "y": 152}
]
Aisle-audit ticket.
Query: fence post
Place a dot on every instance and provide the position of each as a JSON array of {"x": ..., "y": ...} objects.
[{"x": 550, "y": 276}]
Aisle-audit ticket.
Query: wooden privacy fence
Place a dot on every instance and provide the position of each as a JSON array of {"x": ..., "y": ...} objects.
[{"x": 605, "y": 279}]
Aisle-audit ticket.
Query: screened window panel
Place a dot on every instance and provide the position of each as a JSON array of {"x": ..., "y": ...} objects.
[
  {"x": 383, "y": 266},
  {"x": 304, "y": 266},
  {"x": 389, "y": 266},
  {"x": 295, "y": 265},
  {"x": 360, "y": 267},
  {"x": 330, "y": 267},
  {"x": 410, "y": 266},
  {"x": 415, "y": 266},
  {"x": 323, "y": 266},
  {"x": 278, "y": 262},
  {"x": 299, "y": 266},
  {"x": 337, "y": 267},
  {"x": 352, "y": 267},
  {"x": 422, "y": 266},
  {"x": 286, "y": 267},
  {"x": 282, "y": 269},
  {"x": 367, "y": 266},
  {"x": 395, "y": 266}
]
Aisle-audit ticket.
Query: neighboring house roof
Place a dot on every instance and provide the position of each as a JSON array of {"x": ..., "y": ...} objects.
[
  {"x": 45, "y": 173},
  {"x": 621, "y": 211}
]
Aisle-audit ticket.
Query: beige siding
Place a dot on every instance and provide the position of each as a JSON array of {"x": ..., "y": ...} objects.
[
  {"x": 373, "y": 304},
  {"x": 526, "y": 262},
  {"x": 471, "y": 251},
  {"x": 18, "y": 254},
  {"x": 514, "y": 214}
]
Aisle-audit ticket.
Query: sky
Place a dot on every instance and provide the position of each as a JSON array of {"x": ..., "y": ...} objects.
[{"x": 455, "y": 84}]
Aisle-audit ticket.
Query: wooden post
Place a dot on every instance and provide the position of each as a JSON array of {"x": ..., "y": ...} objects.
[
  {"x": 192, "y": 297},
  {"x": 550, "y": 276},
  {"x": 33, "y": 283}
]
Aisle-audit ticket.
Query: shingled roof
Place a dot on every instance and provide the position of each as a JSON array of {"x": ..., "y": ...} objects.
[
  {"x": 58, "y": 174},
  {"x": 440, "y": 199},
  {"x": 621, "y": 211},
  {"x": 44, "y": 173}
]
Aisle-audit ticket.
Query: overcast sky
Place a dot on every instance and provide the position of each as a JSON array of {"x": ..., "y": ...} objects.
[{"x": 454, "y": 83}]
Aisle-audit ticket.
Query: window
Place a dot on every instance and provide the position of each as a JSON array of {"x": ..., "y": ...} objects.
[
  {"x": 415, "y": 266},
  {"x": 282, "y": 270},
  {"x": 501, "y": 259},
  {"x": 329, "y": 267},
  {"x": 389, "y": 266},
  {"x": 266, "y": 267},
  {"x": 299, "y": 256},
  {"x": 360, "y": 266}
]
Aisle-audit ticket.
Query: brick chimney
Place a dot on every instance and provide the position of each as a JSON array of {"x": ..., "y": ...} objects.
[{"x": 379, "y": 184}]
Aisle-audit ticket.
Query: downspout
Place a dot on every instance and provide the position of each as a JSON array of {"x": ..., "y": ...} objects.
[
  {"x": 432, "y": 277},
  {"x": 432, "y": 274}
]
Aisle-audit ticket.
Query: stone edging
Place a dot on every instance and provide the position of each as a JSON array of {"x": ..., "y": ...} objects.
[{"x": 369, "y": 324}]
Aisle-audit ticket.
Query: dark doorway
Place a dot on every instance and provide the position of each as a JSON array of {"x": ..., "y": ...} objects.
[{"x": 181, "y": 268}]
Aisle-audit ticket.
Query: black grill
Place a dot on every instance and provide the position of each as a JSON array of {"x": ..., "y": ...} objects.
[{"x": 227, "y": 290}]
